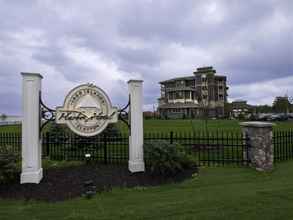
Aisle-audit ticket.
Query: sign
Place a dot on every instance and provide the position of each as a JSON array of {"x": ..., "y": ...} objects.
[{"x": 87, "y": 110}]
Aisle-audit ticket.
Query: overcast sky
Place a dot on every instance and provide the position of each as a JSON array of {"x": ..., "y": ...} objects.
[{"x": 110, "y": 42}]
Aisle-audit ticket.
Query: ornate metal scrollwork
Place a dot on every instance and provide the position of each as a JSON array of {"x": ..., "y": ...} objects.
[
  {"x": 122, "y": 113},
  {"x": 46, "y": 114}
]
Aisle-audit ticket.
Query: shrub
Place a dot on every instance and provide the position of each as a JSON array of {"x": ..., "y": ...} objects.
[
  {"x": 8, "y": 165},
  {"x": 166, "y": 159},
  {"x": 112, "y": 131},
  {"x": 241, "y": 117},
  {"x": 60, "y": 134}
]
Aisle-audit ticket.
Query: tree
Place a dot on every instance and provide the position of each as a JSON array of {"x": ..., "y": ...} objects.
[
  {"x": 263, "y": 109},
  {"x": 281, "y": 105},
  {"x": 228, "y": 109},
  {"x": 3, "y": 117},
  {"x": 291, "y": 103}
]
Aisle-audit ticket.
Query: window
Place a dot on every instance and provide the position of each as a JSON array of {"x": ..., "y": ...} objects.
[
  {"x": 186, "y": 94},
  {"x": 179, "y": 95},
  {"x": 179, "y": 83}
]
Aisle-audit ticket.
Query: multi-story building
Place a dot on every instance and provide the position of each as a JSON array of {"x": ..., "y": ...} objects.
[
  {"x": 203, "y": 94},
  {"x": 240, "y": 109}
]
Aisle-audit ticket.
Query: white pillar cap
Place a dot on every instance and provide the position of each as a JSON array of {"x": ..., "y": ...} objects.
[
  {"x": 134, "y": 81},
  {"x": 32, "y": 74}
]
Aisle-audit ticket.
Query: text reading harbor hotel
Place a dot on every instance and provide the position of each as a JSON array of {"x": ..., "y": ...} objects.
[{"x": 204, "y": 93}]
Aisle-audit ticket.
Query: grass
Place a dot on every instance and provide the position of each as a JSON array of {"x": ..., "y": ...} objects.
[
  {"x": 165, "y": 126},
  {"x": 10, "y": 128},
  {"x": 181, "y": 126},
  {"x": 217, "y": 193}
]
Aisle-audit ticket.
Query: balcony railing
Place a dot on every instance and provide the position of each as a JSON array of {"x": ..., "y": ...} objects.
[{"x": 189, "y": 88}]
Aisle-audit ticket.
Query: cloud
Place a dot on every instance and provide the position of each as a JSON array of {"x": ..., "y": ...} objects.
[
  {"x": 73, "y": 42},
  {"x": 263, "y": 93}
]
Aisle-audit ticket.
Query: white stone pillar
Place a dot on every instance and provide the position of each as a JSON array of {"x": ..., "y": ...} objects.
[
  {"x": 136, "y": 160},
  {"x": 32, "y": 171}
]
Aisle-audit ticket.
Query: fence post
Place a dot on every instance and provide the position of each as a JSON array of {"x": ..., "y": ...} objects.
[
  {"x": 171, "y": 137},
  {"x": 105, "y": 149},
  {"x": 259, "y": 137},
  {"x": 47, "y": 141}
]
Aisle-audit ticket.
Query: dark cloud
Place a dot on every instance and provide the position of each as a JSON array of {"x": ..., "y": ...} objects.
[
  {"x": 11, "y": 106},
  {"x": 72, "y": 42}
]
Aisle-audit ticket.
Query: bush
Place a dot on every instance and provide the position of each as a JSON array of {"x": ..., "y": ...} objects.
[
  {"x": 241, "y": 117},
  {"x": 8, "y": 165},
  {"x": 167, "y": 159},
  {"x": 112, "y": 131}
]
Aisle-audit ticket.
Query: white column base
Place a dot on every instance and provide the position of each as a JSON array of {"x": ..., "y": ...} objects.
[
  {"x": 136, "y": 166},
  {"x": 31, "y": 177}
]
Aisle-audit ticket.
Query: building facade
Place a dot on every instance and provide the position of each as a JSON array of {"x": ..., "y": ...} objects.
[
  {"x": 240, "y": 109},
  {"x": 202, "y": 94}
]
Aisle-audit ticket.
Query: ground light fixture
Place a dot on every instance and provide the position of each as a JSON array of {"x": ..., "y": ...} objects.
[{"x": 87, "y": 158}]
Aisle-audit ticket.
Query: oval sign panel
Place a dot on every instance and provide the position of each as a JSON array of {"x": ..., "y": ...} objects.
[{"x": 87, "y": 110}]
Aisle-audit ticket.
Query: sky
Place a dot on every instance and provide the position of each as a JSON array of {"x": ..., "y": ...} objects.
[{"x": 71, "y": 42}]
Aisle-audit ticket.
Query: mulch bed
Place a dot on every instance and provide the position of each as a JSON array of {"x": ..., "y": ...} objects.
[{"x": 61, "y": 184}]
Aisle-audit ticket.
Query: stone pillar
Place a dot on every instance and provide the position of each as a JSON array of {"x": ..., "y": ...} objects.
[
  {"x": 259, "y": 137},
  {"x": 136, "y": 160},
  {"x": 32, "y": 171}
]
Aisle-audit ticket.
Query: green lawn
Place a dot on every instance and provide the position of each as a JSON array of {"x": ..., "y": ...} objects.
[
  {"x": 217, "y": 193},
  {"x": 10, "y": 128},
  {"x": 166, "y": 126}
]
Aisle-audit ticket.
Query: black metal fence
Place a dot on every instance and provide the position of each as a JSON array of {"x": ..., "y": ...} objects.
[
  {"x": 10, "y": 142},
  {"x": 101, "y": 148},
  {"x": 212, "y": 148},
  {"x": 283, "y": 145},
  {"x": 207, "y": 148}
]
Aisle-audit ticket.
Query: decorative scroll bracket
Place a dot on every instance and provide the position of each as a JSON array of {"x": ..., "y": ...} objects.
[
  {"x": 122, "y": 113},
  {"x": 46, "y": 114}
]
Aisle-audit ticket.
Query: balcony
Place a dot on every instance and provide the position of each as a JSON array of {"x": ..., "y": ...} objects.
[{"x": 180, "y": 88}]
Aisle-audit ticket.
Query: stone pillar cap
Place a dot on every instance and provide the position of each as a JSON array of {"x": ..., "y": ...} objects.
[{"x": 257, "y": 124}]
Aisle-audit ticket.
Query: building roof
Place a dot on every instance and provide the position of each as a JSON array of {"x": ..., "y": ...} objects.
[
  {"x": 239, "y": 100},
  {"x": 177, "y": 79},
  {"x": 220, "y": 76},
  {"x": 201, "y": 70},
  {"x": 205, "y": 69}
]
